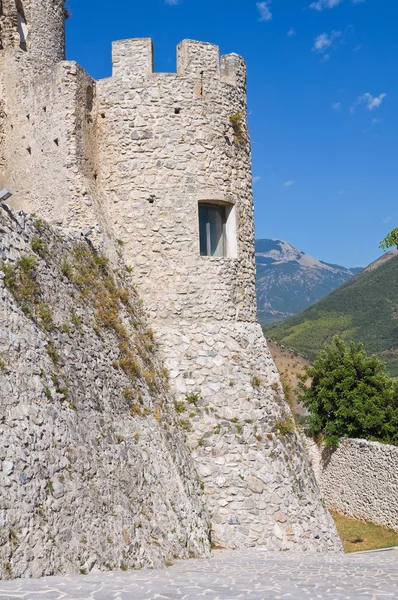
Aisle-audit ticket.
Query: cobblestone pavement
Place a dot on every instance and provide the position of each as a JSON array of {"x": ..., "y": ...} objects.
[{"x": 249, "y": 574}]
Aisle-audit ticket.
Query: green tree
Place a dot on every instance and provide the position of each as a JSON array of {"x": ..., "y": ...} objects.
[
  {"x": 350, "y": 395},
  {"x": 390, "y": 240}
]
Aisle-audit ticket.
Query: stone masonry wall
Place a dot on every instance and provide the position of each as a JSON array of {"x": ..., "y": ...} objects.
[
  {"x": 46, "y": 171},
  {"x": 34, "y": 28},
  {"x": 48, "y": 122},
  {"x": 166, "y": 143},
  {"x": 94, "y": 471},
  {"x": 359, "y": 479}
]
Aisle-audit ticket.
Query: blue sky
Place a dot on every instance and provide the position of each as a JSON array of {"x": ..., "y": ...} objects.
[{"x": 322, "y": 95}]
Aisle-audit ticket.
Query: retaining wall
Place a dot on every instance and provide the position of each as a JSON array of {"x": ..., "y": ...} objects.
[{"x": 359, "y": 479}]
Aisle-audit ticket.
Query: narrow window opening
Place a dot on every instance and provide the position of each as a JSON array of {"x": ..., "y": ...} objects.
[
  {"x": 45, "y": 108},
  {"x": 177, "y": 111},
  {"x": 22, "y": 26},
  {"x": 29, "y": 149},
  {"x": 212, "y": 230},
  {"x": 89, "y": 98},
  {"x": 56, "y": 141}
]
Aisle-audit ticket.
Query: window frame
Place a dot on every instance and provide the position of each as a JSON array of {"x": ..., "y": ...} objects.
[{"x": 229, "y": 228}]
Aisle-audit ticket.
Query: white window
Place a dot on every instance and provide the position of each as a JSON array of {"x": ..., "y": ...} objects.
[{"x": 217, "y": 230}]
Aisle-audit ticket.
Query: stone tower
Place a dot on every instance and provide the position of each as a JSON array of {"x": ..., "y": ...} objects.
[
  {"x": 34, "y": 31},
  {"x": 46, "y": 124},
  {"x": 175, "y": 168},
  {"x": 159, "y": 165}
]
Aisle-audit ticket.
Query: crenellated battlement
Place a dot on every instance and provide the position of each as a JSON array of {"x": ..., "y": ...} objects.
[{"x": 133, "y": 59}]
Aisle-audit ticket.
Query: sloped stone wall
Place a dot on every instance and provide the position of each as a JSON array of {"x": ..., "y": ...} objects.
[
  {"x": 359, "y": 479},
  {"x": 258, "y": 481},
  {"x": 94, "y": 471}
]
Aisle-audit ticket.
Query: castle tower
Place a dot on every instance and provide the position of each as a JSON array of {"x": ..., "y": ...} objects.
[
  {"x": 33, "y": 29},
  {"x": 47, "y": 117},
  {"x": 175, "y": 169}
]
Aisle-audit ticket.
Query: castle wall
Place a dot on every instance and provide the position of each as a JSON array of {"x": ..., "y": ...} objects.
[
  {"x": 90, "y": 477},
  {"x": 359, "y": 479},
  {"x": 48, "y": 130},
  {"x": 167, "y": 142},
  {"x": 48, "y": 120}
]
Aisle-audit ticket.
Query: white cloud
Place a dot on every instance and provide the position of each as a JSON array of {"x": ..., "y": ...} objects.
[
  {"x": 387, "y": 220},
  {"x": 336, "y": 106},
  {"x": 288, "y": 183},
  {"x": 323, "y": 4},
  {"x": 291, "y": 32},
  {"x": 371, "y": 102},
  {"x": 264, "y": 10},
  {"x": 172, "y": 2},
  {"x": 256, "y": 178},
  {"x": 324, "y": 41}
]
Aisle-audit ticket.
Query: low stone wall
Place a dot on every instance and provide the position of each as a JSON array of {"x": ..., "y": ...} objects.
[{"x": 359, "y": 479}]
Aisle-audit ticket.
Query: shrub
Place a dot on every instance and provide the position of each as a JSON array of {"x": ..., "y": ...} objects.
[
  {"x": 39, "y": 246},
  {"x": 186, "y": 425},
  {"x": 237, "y": 123},
  {"x": 20, "y": 280},
  {"x": 52, "y": 352},
  {"x": 285, "y": 425},
  {"x": 179, "y": 406},
  {"x": 351, "y": 395},
  {"x": 256, "y": 382},
  {"x": 40, "y": 225},
  {"x": 193, "y": 398},
  {"x": 45, "y": 317}
]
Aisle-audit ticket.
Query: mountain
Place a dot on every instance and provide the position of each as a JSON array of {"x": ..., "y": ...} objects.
[
  {"x": 289, "y": 280},
  {"x": 363, "y": 309}
]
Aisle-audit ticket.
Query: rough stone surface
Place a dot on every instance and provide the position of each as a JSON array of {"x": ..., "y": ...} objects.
[
  {"x": 359, "y": 479},
  {"x": 252, "y": 574},
  {"x": 85, "y": 481},
  {"x": 128, "y": 159}
]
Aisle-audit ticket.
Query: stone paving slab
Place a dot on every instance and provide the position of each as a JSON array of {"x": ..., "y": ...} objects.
[{"x": 227, "y": 575}]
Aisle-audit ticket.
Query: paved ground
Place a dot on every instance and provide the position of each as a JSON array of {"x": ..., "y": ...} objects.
[{"x": 248, "y": 574}]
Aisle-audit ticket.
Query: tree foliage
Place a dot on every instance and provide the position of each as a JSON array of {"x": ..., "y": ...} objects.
[
  {"x": 350, "y": 395},
  {"x": 390, "y": 240}
]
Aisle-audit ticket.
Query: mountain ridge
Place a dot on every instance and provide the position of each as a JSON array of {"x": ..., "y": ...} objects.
[{"x": 289, "y": 280}]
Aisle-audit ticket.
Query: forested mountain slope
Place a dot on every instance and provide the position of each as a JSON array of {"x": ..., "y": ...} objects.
[{"x": 363, "y": 309}]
